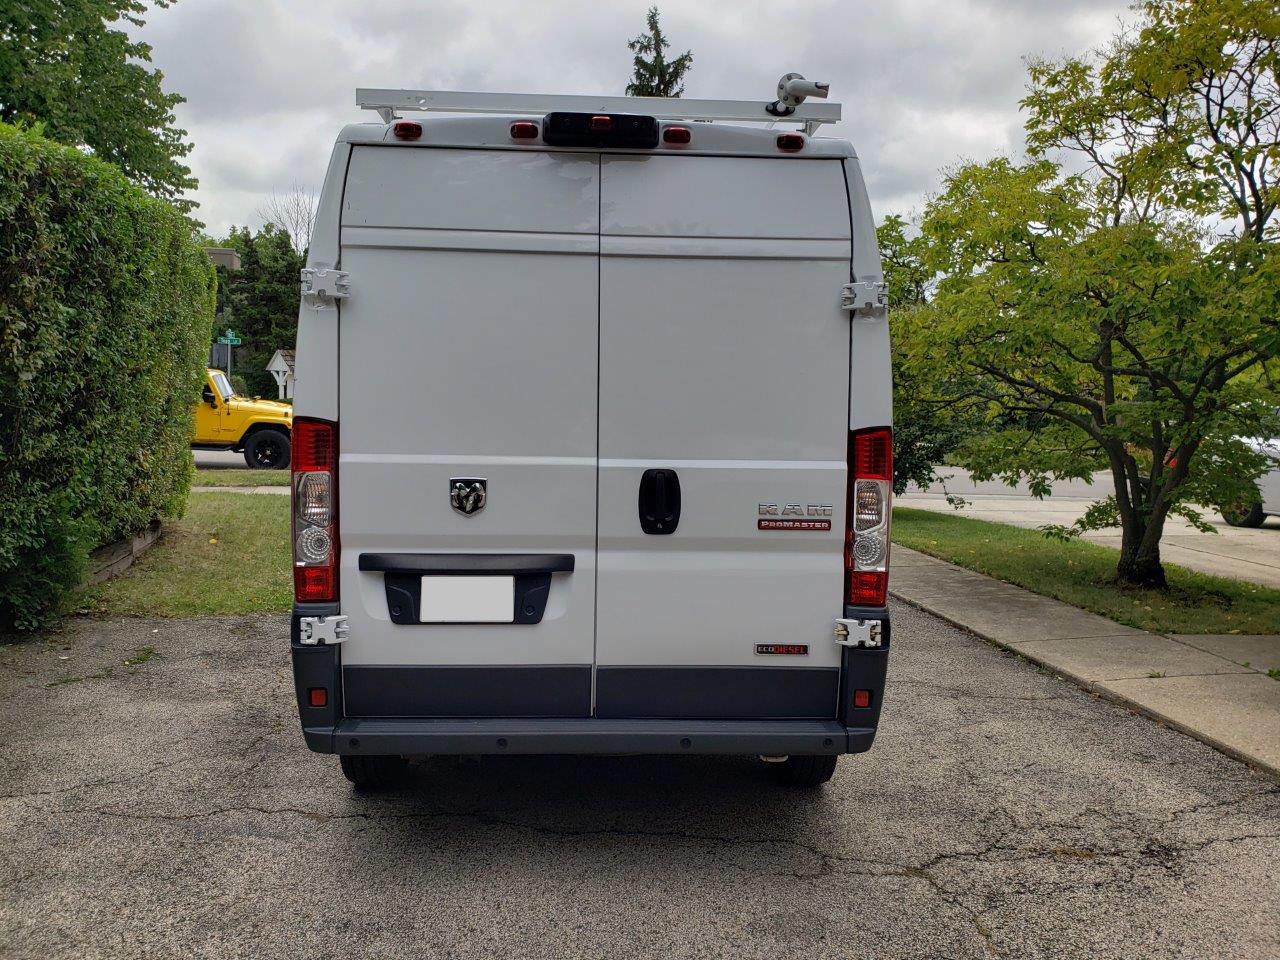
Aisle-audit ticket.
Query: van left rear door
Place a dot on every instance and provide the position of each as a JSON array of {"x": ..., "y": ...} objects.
[{"x": 468, "y": 353}]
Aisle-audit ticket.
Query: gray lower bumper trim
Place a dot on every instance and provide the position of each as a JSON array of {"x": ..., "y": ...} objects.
[{"x": 372, "y": 737}]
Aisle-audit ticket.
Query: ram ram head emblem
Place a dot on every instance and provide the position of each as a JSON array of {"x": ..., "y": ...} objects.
[{"x": 468, "y": 494}]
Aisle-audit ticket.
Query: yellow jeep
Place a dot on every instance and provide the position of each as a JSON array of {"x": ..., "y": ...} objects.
[{"x": 259, "y": 428}]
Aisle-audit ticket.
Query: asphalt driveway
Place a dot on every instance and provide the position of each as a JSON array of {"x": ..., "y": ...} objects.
[{"x": 163, "y": 804}]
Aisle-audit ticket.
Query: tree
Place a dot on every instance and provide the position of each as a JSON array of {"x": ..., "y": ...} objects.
[
  {"x": 925, "y": 429},
  {"x": 260, "y": 300},
  {"x": 294, "y": 212},
  {"x": 653, "y": 75},
  {"x": 64, "y": 67},
  {"x": 1123, "y": 318}
]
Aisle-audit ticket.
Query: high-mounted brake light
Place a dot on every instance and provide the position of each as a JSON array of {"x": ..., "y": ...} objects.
[
  {"x": 524, "y": 130},
  {"x": 315, "y": 510},
  {"x": 866, "y": 551},
  {"x": 790, "y": 141},
  {"x": 406, "y": 129},
  {"x": 601, "y": 123},
  {"x": 676, "y": 135}
]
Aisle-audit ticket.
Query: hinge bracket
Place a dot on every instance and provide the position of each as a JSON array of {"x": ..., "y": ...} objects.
[
  {"x": 322, "y": 285},
  {"x": 322, "y": 630},
  {"x": 858, "y": 633},
  {"x": 865, "y": 298}
]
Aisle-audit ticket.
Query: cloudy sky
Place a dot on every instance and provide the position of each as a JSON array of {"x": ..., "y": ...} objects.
[{"x": 924, "y": 83}]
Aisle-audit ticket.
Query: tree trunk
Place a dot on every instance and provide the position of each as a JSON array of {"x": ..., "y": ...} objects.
[{"x": 1139, "y": 564}]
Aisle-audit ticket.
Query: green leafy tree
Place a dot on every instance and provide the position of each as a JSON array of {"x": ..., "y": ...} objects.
[
  {"x": 260, "y": 301},
  {"x": 653, "y": 75},
  {"x": 1123, "y": 318},
  {"x": 66, "y": 67},
  {"x": 926, "y": 429}
]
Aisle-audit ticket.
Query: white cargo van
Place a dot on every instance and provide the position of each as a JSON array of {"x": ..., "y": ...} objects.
[{"x": 592, "y": 446}]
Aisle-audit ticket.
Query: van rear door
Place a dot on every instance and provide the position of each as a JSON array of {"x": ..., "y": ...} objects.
[
  {"x": 468, "y": 355},
  {"x": 724, "y": 376}
]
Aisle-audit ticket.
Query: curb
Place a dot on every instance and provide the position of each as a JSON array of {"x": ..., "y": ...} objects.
[{"x": 1093, "y": 687}]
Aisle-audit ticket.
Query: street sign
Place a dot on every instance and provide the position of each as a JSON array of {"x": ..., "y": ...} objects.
[{"x": 230, "y": 338}]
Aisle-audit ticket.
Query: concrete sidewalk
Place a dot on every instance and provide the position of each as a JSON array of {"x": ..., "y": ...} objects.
[{"x": 1214, "y": 688}]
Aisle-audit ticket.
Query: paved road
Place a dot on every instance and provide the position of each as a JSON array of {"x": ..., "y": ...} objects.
[
  {"x": 219, "y": 459},
  {"x": 169, "y": 808},
  {"x": 1231, "y": 551}
]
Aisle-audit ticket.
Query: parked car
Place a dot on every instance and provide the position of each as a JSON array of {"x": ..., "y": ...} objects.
[
  {"x": 1267, "y": 503},
  {"x": 259, "y": 428},
  {"x": 592, "y": 450}
]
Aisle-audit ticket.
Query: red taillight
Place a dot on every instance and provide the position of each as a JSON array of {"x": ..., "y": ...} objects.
[
  {"x": 676, "y": 135},
  {"x": 868, "y": 506},
  {"x": 318, "y": 697},
  {"x": 873, "y": 454},
  {"x": 315, "y": 510},
  {"x": 315, "y": 445},
  {"x": 524, "y": 130},
  {"x": 406, "y": 129},
  {"x": 790, "y": 141},
  {"x": 862, "y": 699},
  {"x": 601, "y": 123}
]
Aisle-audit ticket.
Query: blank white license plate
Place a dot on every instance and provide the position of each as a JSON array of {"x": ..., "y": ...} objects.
[{"x": 467, "y": 600}]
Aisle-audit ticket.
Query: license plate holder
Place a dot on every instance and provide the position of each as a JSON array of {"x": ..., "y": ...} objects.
[{"x": 454, "y": 599}]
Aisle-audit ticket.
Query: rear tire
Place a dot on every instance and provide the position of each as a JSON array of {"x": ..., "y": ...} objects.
[
  {"x": 1242, "y": 516},
  {"x": 267, "y": 450},
  {"x": 374, "y": 773},
  {"x": 806, "y": 772}
]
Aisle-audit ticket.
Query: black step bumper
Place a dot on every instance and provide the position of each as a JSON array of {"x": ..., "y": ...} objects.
[{"x": 327, "y": 730}]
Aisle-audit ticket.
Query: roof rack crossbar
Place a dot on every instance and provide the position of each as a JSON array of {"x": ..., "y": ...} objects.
[{"x": 389, "y": 102}]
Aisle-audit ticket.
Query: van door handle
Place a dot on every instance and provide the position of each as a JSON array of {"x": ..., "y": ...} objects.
[{"x": 659, "y": 501}]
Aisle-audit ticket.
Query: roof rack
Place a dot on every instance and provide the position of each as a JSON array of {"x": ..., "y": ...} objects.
[{"x": 389, "y": 102}]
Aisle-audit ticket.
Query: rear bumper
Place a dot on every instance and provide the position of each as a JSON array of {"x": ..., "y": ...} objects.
[
  {"x": 496, "y": 736},
  {"x": 327, "y": 730}
]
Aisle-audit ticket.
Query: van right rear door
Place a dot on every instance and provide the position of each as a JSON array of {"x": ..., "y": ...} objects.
[{"x": 724, "y": 373}]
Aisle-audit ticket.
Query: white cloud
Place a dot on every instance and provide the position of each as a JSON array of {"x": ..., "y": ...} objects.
[{"x": 924, "y": 83}]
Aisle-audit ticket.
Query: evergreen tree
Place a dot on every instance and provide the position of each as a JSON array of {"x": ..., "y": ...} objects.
[
  {"x": 653, "y": 75},
  {"x": 260, "y": 301}
]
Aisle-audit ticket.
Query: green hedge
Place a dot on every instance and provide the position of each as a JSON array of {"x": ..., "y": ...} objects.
[{"x": 106, "y": 301}]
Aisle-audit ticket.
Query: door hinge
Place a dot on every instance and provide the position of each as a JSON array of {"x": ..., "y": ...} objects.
[
  {"x": 322, "y": 630},
  {"x": 865, "y": 298},
  {"x": 858, "y": 633},
  {"x": 322, "y": 285}
]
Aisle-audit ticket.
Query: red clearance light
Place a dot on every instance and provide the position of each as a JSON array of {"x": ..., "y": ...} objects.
[
  {"x": 524, "y": 130},
  {"x": 676, "y": 135},
  {"x": 407, "y": 129},
  {"x": 601, "y": 123},
  {"x": 319, "y": 696},
  {"x": 790, "y": 141},
  {"x": 862, "y": 699}
]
